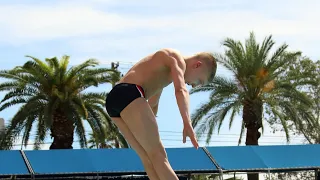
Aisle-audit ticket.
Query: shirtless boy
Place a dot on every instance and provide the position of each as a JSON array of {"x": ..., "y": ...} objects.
[{"x": 133, "y": 103}]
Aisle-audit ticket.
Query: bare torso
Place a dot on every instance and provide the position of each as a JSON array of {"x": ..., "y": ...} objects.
[{"x": 150, "y": 73}]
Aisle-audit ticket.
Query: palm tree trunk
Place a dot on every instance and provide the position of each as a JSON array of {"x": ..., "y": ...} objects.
[
  {"x": 252, "y": 117},
  {"x": 62, "y": 131},
  {"x": 103, "y": 146},
  {"x": 116, "y": 143}
]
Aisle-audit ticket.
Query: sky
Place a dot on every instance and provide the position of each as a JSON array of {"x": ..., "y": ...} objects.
[{"x": 126, "y": 31}]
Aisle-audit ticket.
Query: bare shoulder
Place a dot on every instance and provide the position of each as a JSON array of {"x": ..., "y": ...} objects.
[
  {"x": 169, "y": 52},
  {"x": 170, "y": 57}
]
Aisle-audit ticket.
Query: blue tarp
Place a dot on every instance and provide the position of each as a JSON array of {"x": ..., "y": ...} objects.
[
  {"x": 236, "y": 158},
  {"x": 12, "y": 163},
  {"x": 84, "y": 161},
  {"x": 183, "y": 160},
  {"x": 190, "y": 159},
  {"x": 290, "y": 157},
  {"x": 265, "y": 158},
  {"x": 111, "y": 161}
]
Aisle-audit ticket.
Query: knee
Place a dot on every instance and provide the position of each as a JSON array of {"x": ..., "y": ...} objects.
[
  {"x": 157, "y": 153},
  {"x": 146, "y": 162}
]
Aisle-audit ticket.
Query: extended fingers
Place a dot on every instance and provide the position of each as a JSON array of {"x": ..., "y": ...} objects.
[{"x": 194, "y": 142}]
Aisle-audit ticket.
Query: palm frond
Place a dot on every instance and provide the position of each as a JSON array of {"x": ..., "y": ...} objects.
[
  {"x": 79, "y": 127},
  {"x": 28, "y": 127},
  {"x": 73, "y": 71},
  {"x": 241, "y": 132},
  {"x": 79, "y": 104},
  {"x": 41, "y": 132},
  {"x": 40, "y": 66}
]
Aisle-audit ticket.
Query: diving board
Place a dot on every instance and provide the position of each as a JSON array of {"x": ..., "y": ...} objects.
[{"x": 12, "y": 163}]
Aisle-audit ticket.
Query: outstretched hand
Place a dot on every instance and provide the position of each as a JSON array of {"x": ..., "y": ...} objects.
[{"x": 188, "y": 132}]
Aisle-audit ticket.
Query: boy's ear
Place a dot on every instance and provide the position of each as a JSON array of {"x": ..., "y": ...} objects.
[{"x": 198, "y": 64}]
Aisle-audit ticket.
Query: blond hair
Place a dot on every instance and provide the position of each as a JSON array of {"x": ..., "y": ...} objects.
[{"x": 210, "y": 61}]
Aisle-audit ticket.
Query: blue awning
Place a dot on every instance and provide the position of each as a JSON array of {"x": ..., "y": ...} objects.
[
  {"x": 266, "y": 158},
  {"x": 190, "y": 159},
  {"x": 12, "y": 163},
  {"x": 290, "y": 157},
  {"x": 112, "y": 161},
  {"x": 84, "y": 161},
  {"x": 239, "y": 158},
  {"x": 183, "y": 160}
]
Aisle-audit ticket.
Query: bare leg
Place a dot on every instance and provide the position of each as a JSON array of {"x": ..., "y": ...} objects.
[
  {"x": 137, "y": 147},
  {"x": 142, "y": 123}
]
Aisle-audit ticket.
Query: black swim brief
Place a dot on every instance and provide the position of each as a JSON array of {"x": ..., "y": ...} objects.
[{"x": 121, "y": 96}]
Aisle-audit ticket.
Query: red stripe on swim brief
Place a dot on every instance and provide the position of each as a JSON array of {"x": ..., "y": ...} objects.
[{"x": 141, "y": 90}]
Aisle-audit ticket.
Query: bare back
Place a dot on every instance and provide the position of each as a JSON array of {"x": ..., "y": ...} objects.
[{"x": 151, "y": 73}]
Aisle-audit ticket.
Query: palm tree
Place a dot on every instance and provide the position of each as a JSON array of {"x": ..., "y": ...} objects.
[
  {"x": 97, "y": 141},
  {"x": 256, "y": 88},
  {"x": 54, "y": 96},
  {"x": 111, "y": 139}
]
